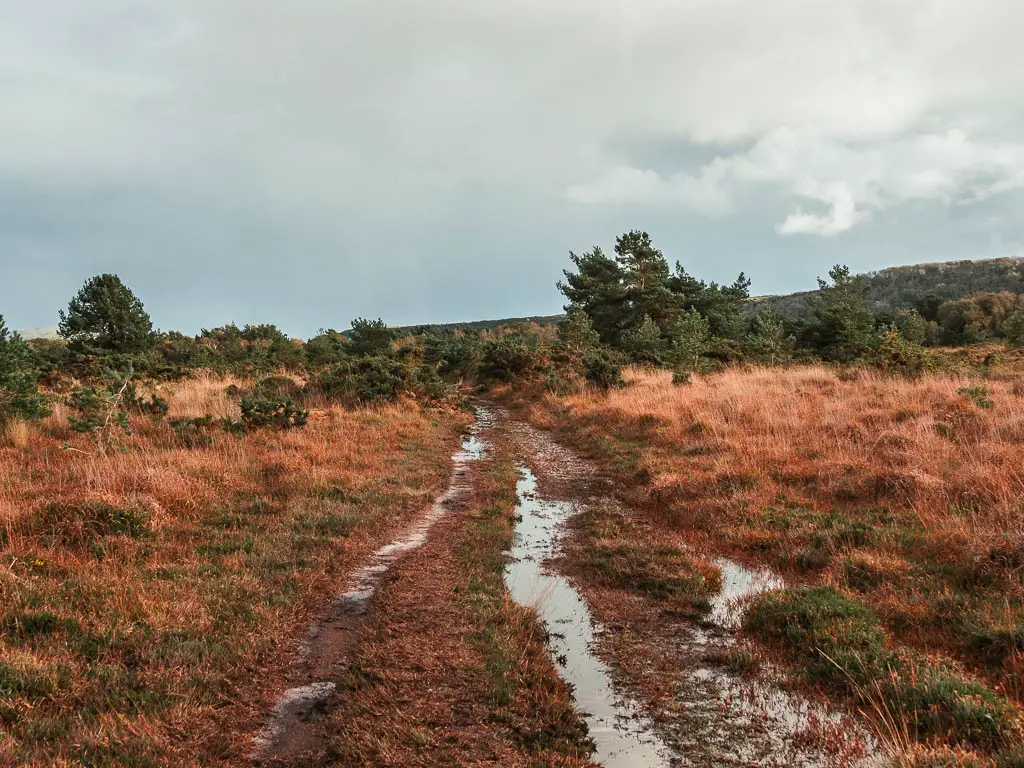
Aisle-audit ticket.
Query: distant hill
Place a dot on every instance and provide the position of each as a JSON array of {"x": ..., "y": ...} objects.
[
  {"x": 481, "y": 325},
  {"x": 889, "y": 290},
  {"x": 899, "y": 288},
  {"x": 39, "y": 333}
]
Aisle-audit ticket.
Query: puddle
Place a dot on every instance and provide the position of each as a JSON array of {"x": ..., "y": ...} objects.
[
  {"x": 623, "y": 736},
  {"x": 713, "y": 717},
  {"x": 739, "y": 585},
  {"x": 289, "y": 733}
]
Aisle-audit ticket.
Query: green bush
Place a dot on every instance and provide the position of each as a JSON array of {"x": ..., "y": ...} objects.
[
  {"x": 370, "y": 338},
  {"x": 602, "y": 369},
  {"x": 945, "y": 707},
  {"x": 279, "y": 386},
  {"x": 681, "y": 378},
  {"x": 977, "y": 395},
  {"x": 96, "y": 409},
  {"x": 561, "y": 381},
  {"x": 278, "y": 412},
  {"x": 507, "y": 359},
  {"x": 154, "y": 406},
  {"x": 840, "y": 643},
  {"x": 19, "y": 393},
  {"x": 367, "y": 380}
]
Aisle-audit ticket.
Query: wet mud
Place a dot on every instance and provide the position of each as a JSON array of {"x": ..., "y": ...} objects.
[
  {"x": 613, "y": 650},
  {"x": 290, "y": 735},
  {"x": 615, "y": 655}
]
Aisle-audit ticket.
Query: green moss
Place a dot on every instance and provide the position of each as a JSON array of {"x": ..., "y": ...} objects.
[
  {"x": 839, "y": 639},
  {"x": 841, "y": 644},
  {"x": 658, "y": 572}
]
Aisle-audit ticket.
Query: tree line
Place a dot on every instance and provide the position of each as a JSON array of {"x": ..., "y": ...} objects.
[{"x": 628, "y": 307}]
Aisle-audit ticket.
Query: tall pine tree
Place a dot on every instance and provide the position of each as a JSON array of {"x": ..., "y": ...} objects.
[{"x": 106, "y": 317}]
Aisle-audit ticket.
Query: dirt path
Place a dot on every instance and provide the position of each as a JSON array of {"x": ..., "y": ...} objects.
[{"x": 427, "y": 661}]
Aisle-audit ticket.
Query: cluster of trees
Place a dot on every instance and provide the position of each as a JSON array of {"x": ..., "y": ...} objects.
[
  {"x": 896, "y": 289},
  {"x": 647, "y": 313},
  {"x": 628, "y": 307}
]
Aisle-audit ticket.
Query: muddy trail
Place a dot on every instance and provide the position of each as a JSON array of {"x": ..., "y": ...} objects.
[{"x": 653, "y": 688}]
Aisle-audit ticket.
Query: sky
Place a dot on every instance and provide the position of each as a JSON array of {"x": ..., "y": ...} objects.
[{"x": 307, "y": 163}]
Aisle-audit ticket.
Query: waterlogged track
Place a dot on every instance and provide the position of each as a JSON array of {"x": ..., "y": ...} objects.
[
  {"x": 703, "y": 715},
  {"x": 621, "y": 734},
  {"x": 291, "y": 734}
]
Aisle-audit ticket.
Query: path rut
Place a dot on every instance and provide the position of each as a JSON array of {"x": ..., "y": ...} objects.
[{"x": 711, "y": 718}]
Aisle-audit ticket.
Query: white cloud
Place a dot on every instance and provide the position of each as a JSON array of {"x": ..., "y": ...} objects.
[
  {"x": 849, "y": 178},
  {"x": 842, "y": 215}
]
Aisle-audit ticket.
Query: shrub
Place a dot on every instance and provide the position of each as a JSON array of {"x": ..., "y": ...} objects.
[
  {"x": 434, "y": 387},
  {"x": 507, "y": 358},
  {"x": 561, "y": 381},
  {"x": 454, "y": 356},
  {"x": 326, "y": 348},
  {"x": 977, "y": 395},
  {"x": 370, "y": 338},
  {"x": 154, "y": 406},
  {"x": 841, "y": 643},
  {"x": 945, "y": 707},
  {"x": 602, "y": 369},
  {"x": 97, "y": 409},
  {"x": 278, "y": 412},
  {"x": 279, "y": 386},
  {"x": 367, "y": 380},
  {"x": 681, "y": 378}
]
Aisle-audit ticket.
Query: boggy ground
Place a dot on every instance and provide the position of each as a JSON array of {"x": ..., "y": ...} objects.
[
  {"x": 152, "y": 592},
  {"x": 897, "y": 502},
  {"x": 667, "y": 620},
  {"x": 446, "y": 670}
]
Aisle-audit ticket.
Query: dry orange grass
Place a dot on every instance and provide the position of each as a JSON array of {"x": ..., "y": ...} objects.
[
  {"x": 919, "y": 443},
  {"x": 907, "y": 491},
  {"x": 166, "y": 646}
]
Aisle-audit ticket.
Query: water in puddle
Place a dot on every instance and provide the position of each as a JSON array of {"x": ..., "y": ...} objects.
[
  {"x": 739, "y": 584},
  {"x": 716, "y": 718},
  {"x": 623, "y": 736}
]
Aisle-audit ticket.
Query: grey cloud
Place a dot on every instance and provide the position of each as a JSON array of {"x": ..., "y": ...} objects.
[{"x": 303, "y": 163}]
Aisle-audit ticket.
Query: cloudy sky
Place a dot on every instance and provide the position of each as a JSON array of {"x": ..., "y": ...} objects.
[{"x": 307, "y": 162}]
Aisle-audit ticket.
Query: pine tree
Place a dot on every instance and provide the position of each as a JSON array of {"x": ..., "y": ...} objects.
[
  {"x": 844, "y": 331},
  {"x": 19, "y": 393},
  {"x": 576, "y": 333},
  {"x": 770, "y": 339},
  {"x": 597, "y": 288},
  {"x": 106, "y": 317},
  {"x": 691, "y": 340},
  {"x": 645, "y": 344},
  {"x": 370, "y": 337},
  {"x": 645, "y": 275}
]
